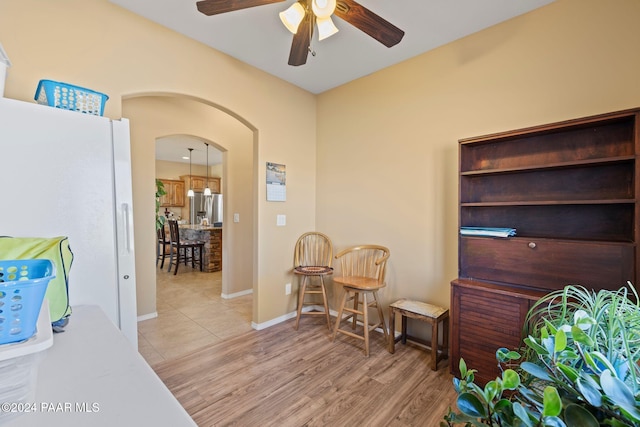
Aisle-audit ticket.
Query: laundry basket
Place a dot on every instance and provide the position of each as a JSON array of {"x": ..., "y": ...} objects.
[
  {"x": 23, "y": 284},
  {"x": 70, "y": 97},
  {"x": 19, "y": 363}
]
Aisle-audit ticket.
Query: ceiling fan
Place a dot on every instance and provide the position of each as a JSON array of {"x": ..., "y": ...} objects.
[{"x": 304, "y": 15}]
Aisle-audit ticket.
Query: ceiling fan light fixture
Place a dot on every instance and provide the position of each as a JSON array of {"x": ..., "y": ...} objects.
[
  {"x": 292, "y": 17},
  {"x": 323, "y": 8},
  {"x": 326, "y": 28}
]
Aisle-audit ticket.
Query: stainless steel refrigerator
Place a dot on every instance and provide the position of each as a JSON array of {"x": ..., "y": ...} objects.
[
  {"x": 66, "y": 173},
  {"x": 209, "y": 207}
]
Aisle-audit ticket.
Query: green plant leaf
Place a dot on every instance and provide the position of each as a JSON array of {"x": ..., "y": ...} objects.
[
  {"x": 616, "y": 390},
  {"x": 577, "y": 416},
  {"x": 590, "y": 393},
  {"x": 601, "y": 361},
  {"x": 522, "y": 414},
  {"x": 631, "y": 412},
  {"x": 569, "y": 372},
  {"x": 463, "y": 368},
  {"x": 504, "y": 355},
  {"x": 491, "y": 390},
  {"x": 510, "y": 379},
  {"x": 580, "y": 337},
  {"x": 503, "y": 408},
  {"x": 549, "y": 328},
  {"x": 470, "y": 405},
  {"x": 582, "y": 320},
  {"x": 549, "y": 344},
  {"x": 535, "y": 370},
  {"x": 553, "y": 422},
  {"x": 533, "y": 344},
  {"x": 560, "y": 342},
  {"x": 552, "y": 404}
]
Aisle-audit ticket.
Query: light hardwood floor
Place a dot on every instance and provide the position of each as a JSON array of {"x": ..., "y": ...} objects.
[{"x": 282, "y": 377}]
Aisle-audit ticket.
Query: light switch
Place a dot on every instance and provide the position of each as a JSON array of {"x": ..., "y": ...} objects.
[
  {"x": 236, "y": 217},
  {"x": 281, "y": 220}
]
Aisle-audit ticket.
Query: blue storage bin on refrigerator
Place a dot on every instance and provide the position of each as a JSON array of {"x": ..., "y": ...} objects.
[
  {"x": 70, "y": 97},
  {"x": 23, "y": 284}
]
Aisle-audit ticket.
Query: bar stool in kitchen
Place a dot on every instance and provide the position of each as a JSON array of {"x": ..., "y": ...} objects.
[
  {"x": 183, "y": 250},
  {"x": 363, "y": 270},
  {"x": 161, "y": 246}
]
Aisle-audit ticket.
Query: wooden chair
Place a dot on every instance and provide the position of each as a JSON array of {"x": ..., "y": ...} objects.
[
  {"x": 312, "y": 257},
  {"x": 161, "y": 246},
  {"x": 363, "y": 272},
  {"x": 183, "y": 250}
]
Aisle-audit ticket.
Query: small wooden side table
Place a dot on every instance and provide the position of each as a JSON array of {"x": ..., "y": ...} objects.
[{"x": 428, "y": 313}]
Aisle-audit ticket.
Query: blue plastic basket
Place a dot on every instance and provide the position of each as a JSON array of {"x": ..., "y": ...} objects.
[
  {"x": 70, "y": 97},
  {"x": 23, "y": 284}
]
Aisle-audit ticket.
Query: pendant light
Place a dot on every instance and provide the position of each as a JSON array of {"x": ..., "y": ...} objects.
[
  {"x": 207, "y": 190},
  {"x": 190, "y": 192}
]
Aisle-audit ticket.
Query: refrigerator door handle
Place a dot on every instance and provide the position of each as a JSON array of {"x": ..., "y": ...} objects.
[{"x": 127, "y": 227}]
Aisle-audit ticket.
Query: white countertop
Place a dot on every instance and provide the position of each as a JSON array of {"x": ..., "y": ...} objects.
[{"x": 92, "y": 376}]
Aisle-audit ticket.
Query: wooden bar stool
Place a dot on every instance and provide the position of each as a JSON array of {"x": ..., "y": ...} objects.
[
  {"x": 427, "y": 313},
  {"x": 363, "y": 271},
  {"x": 312, "y": 257}
]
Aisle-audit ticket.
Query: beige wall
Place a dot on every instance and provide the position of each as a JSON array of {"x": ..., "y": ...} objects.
[
  {"x": 384, "y": 169},
  {"x": 387, "y": 143},
  {"x": 95, "y": 44}
]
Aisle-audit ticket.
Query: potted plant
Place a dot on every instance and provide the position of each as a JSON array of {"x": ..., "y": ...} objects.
[
  {"x": 160, "y": 191},
  {"x": 579, "y": 366}
]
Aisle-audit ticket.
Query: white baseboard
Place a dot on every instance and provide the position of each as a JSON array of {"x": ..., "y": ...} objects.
[
  {"x": 237, "y": 294},
  {"x": 332, "y": 313},
  {"x": 148, "y": 316}
]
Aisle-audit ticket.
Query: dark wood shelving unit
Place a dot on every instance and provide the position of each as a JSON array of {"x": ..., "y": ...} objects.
[{"x": 569, "y": 189}]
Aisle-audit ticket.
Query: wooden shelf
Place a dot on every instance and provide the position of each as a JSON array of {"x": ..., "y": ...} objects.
[{"x": 569, "y": 189}]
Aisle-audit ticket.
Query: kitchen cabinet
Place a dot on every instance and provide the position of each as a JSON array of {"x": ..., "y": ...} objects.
[
  {"x": 569, "y": 190},
  {"x": 198, "y": 183},
  {"x": 175, "y": 193}
]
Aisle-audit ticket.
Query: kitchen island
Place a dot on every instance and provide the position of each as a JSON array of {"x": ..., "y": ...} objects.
[{"x": 212, "y": 238}]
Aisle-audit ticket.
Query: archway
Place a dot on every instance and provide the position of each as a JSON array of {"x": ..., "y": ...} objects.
[{"x": 155, "y": 114}]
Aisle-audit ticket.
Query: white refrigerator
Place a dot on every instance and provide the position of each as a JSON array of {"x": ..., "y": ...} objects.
[{"x": 64, "y": 173}]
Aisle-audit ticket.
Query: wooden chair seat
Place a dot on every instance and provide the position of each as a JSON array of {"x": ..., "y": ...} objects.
[{"x": 425, "y": 312}]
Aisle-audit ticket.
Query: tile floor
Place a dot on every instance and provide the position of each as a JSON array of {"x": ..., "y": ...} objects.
[{"x": 191, "y": 314}]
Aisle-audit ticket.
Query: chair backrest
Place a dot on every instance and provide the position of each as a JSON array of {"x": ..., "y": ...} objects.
[
  {"x": 364, "y": 261},
  {"x": 162, "y": 236},
  {"x": 174, "y": 232},
  {"x": 313, "y": 249}
]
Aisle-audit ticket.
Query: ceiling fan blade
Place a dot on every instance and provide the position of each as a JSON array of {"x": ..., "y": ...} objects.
[
  {"x": 367, "y": 21},
  {"x": 302, "y": 41},
  {"x": 214, "y": 7}
]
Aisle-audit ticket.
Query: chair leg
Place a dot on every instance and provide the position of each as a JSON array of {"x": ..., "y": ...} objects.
[
  {"x": 171, "y": 253},
  {"x": 200, "y": 250},
  {"x": 178, "y": 251},
  {"x": 326, "y": 305},
  {"x": 301, "y": 291},
  {"x": 339, "y": 318},
  {"x": 382, "y": 324},
  {"x": 365, "y": 320},
  {"x": 164, "y": 255},
  {"x": 356, "y": 302}
]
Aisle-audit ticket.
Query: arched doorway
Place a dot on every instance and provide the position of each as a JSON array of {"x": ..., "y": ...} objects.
[{"x": 156, "y": 115}]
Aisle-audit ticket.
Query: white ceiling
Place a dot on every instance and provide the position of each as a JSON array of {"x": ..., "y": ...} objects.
[
  {"x": 174, "y": 148},
  {"x": 256, "y": 35}
]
